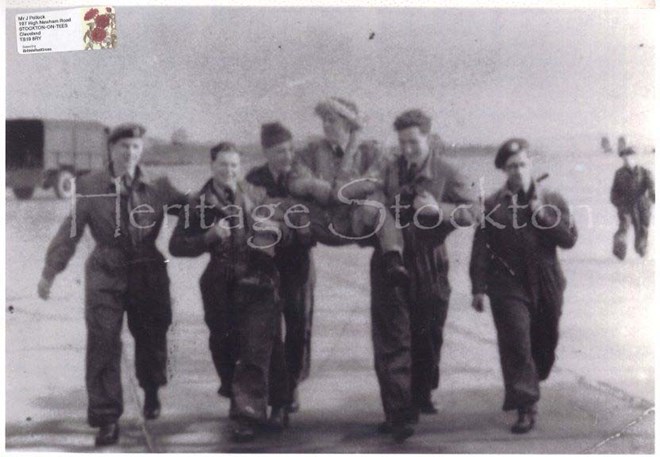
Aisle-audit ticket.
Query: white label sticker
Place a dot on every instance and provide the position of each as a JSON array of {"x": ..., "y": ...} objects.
[{"x": 66, "y": 30}]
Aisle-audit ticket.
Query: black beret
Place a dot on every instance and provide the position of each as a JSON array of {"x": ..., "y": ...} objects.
[
  {"x": 128, "y": 130},
  {"x": 509, "y": 148},
  {"x": 413, "y": 118},
  {"x": 627, "y": 152},
  {"x": 273, "y": 134}
]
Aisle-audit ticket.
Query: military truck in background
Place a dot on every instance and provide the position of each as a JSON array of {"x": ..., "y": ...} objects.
[{"x": 48, "y": 153}]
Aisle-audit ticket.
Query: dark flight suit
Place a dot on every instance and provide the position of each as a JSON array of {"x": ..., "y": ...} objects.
[
  {"x": 407, "y": 330},
  {"x": 244, "y": 323},
  {"x": 297, "y": 279},
  {"x": 519, "y": 271},
  {"x": 633, "y": 194},
  {"x": 125, "y": 272}
]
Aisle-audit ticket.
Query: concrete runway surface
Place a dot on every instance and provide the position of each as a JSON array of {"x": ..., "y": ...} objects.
[{"x": 599, "y": 398}]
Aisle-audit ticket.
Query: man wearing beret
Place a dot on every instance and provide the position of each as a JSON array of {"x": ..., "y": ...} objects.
[
  {"x": 294, "y": 259},
  {"x": 514, "y": 261},
  {"x": 430, "y": 198},
  {"x": 335, "y": 172},
  {"x": 239, "y": 293},
  {"x": 124, "y": 273},
  {"x": 633, "y": 195}
]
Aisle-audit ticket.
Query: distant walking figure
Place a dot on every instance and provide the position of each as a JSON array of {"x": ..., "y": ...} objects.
[{"x": 633, "y": 194}]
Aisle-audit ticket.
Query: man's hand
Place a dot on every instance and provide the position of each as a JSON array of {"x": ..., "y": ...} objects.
[
  {"x": 543, "y": 215},
  {"x": 43, "y": 288},
  {"x": 222, "y": 229},
  {"x": 534, "y": 204},
  {"x": 478, "y": 302},
  {"x": 219, "y": 232},
  {"x": 428, "y": 204}
]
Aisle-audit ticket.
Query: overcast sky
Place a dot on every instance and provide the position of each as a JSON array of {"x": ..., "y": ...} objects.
[{"x": 483, "y": 75}]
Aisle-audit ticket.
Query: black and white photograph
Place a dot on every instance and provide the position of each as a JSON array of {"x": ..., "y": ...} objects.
[{"x": 330, "y": 228}]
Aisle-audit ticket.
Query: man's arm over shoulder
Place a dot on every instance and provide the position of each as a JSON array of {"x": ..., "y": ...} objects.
[
  {"x": 172, "y": 197},
  {"x": 192, "y": 236},
  {"x": 253, "y": 176}
]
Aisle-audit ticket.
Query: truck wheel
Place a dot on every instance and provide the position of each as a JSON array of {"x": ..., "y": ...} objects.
[
  {"x": 62, "y": 185},
  {"x": 23, "y": 193}
]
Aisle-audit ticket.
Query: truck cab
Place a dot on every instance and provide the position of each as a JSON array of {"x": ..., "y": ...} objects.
[{"x": 48, "y": 153}]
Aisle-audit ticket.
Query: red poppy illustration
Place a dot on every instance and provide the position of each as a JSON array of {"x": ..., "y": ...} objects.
[
  {"x": 99, "y": 34},
  {"x": 101, "y": 30},
  {"x": 102, "y": 21},
  {"x": 91, "y": 14}
]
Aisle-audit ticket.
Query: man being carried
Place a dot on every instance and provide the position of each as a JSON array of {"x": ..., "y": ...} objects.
[{"x": 336, "y": 171}]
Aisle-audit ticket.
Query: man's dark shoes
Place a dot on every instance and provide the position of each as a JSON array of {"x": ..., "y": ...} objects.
[
  {"x": 279, "y": 419},
  {"x": 394, "y": 270},
  {"x": 427, "y": 407},
  {"x": 401, "y": 432},
  {"x": 619, "y": 247},
  {"x": 385, "y": 428},
  {"x": 525, "y": 422},
  {"x": 294, "y": 406},
  {"x": 151, "y": 408},
  {"x": 107, "y": 435},
  {"x": 233, "y": 411},
  {"x": 224, "y": 391},
  {"x": 243, "y": 431},
  {"x": 640, "y": 247}
]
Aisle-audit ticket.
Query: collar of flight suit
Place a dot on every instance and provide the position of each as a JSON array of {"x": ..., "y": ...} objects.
[
  {"x": 424, "y": 171},
  {"x": 140, "y": 180},
  {"x": 505, "y": 192}
]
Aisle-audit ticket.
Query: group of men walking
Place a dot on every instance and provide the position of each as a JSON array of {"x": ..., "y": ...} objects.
[{"x": 259, "y": 232}]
